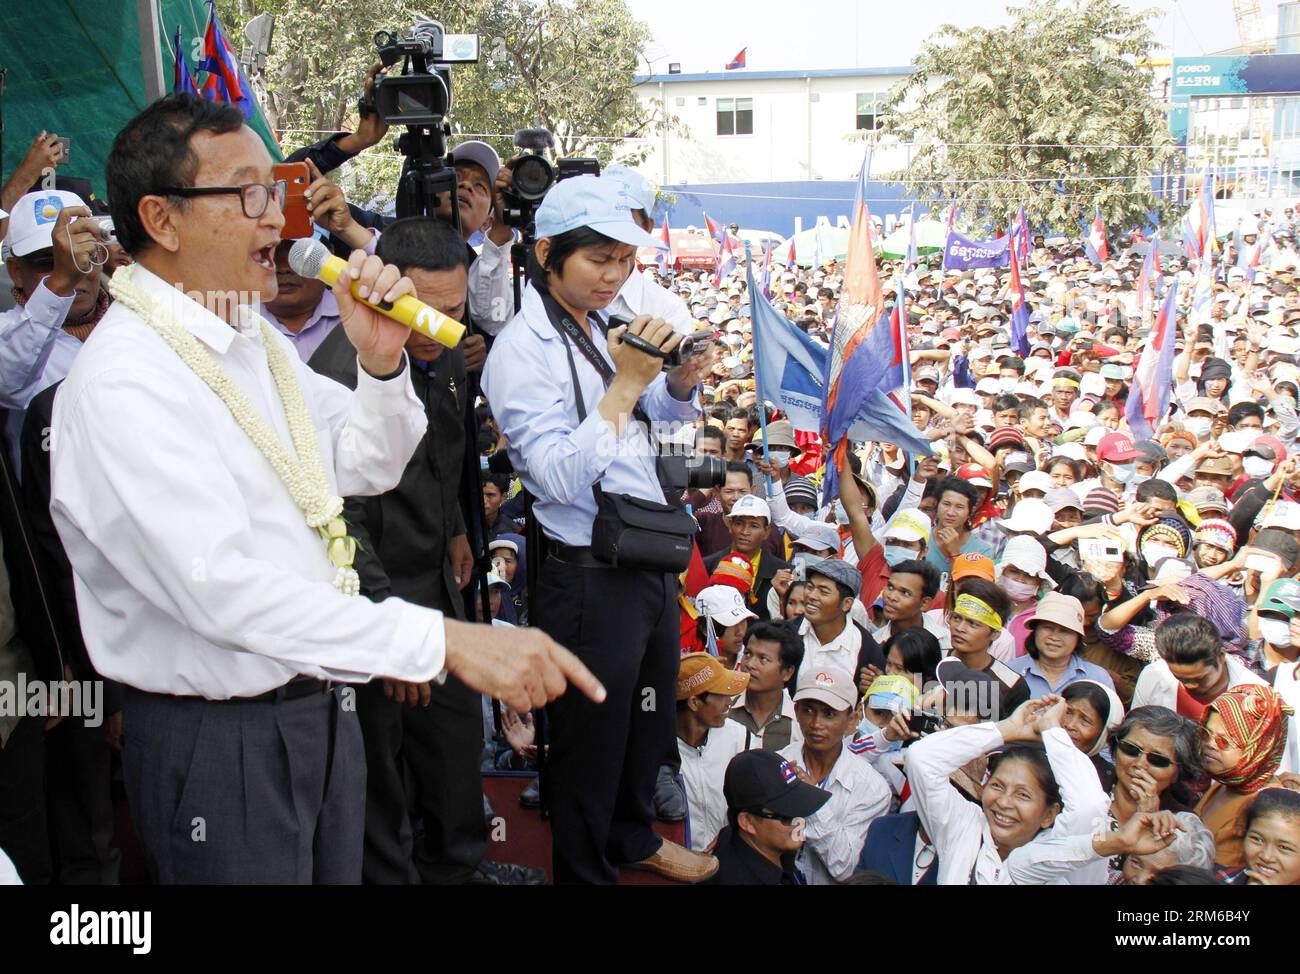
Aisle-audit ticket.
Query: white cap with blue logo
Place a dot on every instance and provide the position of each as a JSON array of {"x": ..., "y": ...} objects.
[
  {"x": 31, "y": 223},
  {"x": 591, "y": 201}
]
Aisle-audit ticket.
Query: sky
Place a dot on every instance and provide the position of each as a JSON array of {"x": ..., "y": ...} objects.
[{"x": 703, "y": 35}]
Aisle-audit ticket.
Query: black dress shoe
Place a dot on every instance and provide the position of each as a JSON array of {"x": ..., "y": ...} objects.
[
  {"x": 490, "y": 873},
  {"x": 670, "y": 803},
  {"x": 531, "y": 797}
]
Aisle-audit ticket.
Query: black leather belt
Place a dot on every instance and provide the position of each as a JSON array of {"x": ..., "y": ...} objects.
[
  {"x": 295, "y": 689},
  {"x": 580, "y": 556}
]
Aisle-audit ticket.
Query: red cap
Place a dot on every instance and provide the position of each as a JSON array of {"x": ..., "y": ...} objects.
[
  {"x": 952, "y": 334},
  {"x": 976, "y": 474},
  {"x": 1116, "y": 448},
  {"x": 1105, "y": 351}
]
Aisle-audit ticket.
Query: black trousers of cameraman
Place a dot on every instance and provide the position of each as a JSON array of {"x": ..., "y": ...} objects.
[{"x": 599, "y": 774}]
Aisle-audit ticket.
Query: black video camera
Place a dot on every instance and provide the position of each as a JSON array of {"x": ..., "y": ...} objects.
[
  {"x": 532, "y": 175},
  {"x": 687, "y": 347},
  {"x": 421, "y": 94}
]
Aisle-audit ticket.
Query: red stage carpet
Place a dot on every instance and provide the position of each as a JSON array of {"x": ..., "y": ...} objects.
[{"x": 527, "y": 839}]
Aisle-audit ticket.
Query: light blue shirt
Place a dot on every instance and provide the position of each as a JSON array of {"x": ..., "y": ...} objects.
[
  {"x": 314, "y": 331},
  {"x": 1079, "y": 669},
  {"x": 530, "y": 389},
  {"x": 35, "y": 353}
]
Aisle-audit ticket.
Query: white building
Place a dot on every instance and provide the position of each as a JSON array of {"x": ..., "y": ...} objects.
[{"x": 768, "y": 126}]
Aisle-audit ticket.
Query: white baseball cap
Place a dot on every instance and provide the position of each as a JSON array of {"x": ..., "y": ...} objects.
[
  {"x": 820, "y": 536},
  {"x": 1035, "y": 480},
  {"x": 829, "y": 685},
  {"x": 31, "y": 222},
  {"x": 589, "y": 201},
  {"x": 481, "y": 154},
  {"x": 751, "y": 506},
  {"x": 723, "y": 604}
]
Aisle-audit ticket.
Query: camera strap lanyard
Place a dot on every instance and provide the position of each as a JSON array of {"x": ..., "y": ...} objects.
[{"x": 563, "y": 323}]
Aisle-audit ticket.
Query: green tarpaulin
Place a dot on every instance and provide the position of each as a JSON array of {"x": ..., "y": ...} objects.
[{"x": 74, "y": 68}]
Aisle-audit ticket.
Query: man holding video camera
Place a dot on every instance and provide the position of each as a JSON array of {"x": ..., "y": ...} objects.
[
  {"x": 481, "y": 180},
  {"x": 564, "y": 392}
]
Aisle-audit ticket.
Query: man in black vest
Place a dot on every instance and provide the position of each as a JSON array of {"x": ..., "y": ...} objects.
[{"x": 412, "y": 544}]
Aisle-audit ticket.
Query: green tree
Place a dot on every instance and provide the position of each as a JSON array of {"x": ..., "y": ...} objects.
[
  {"x": 566, "y": 66},
  {"x": 1054, "y": 112}
]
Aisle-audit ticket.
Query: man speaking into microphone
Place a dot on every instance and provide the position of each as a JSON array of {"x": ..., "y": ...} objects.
[{"x": 197, "y": 471}]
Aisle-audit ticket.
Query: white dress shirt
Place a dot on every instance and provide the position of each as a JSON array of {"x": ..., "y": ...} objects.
[
  {"x": 703, "y": 769},
  {"x": 528, "y": 382},
  {"x": 1158, "y": 687},
  {"x": 491, "y": 293},
  {"x": 959, "y": 829},
  {"x": 195, "y": 572},
  {"x": 842, "y": 651},
  {"x": 641, "y": 296},
  {"x": 835, "y": 833}
]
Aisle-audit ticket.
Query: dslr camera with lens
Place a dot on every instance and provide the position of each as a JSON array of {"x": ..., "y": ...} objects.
[{"x": 532, "y": 175}]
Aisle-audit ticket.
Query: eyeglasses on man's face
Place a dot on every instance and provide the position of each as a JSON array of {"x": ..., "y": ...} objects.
[{"x": 254, "y": 197}]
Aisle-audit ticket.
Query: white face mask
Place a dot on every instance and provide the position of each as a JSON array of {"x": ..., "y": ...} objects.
[
  {"x": 780, "y": 458},
  {"x": 1122, "y": 472},
  {"x": 1152, "y": 553},
  {"x": 1256, "y": 467},
  {"x": 1198, "y": 426},
  {"x": 1276, "y": 632},
  {"x": 1006, "y": 385}
]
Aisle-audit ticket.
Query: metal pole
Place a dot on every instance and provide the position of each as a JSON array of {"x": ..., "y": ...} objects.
[{"x": 146, "y": 16}]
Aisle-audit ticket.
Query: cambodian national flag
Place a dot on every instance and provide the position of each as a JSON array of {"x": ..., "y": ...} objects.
[
  {"x": 765, "y": 275},
  {"x": 716, "y": 230},
  {"x": 865, "y": 356},
  {"x": 726, "y": 262},
  {"x": 664, "y": 258},
  {"x": 225, "y": 81},
  {"x": 1024, "y": 231},
  {"x": 900, "y": 386},
  {"x": 1019, "y": 314},
  {"x": 1202, "y": 216},
  {"x": 182, "y": 80},
  {"x": 1153, "y": 379},
  {"x": 738, "y": 61},
  {"x": 1096, "y": 240}
]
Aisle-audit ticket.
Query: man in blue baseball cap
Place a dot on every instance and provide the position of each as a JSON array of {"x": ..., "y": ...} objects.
[
  {"x": 563, "y": 389},
  {"x": 639, "y": 295}
]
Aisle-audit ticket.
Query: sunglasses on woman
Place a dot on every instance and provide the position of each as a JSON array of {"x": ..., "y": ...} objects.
[
  {"x": 1220, "y": 742},
  {"x": 1155, "y": 760}
]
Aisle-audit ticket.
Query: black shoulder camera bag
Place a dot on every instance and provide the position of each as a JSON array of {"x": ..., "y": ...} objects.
[{"x": 629, "y": 532}]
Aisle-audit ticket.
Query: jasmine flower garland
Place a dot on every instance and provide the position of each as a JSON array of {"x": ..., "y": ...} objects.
[{"x": 303, "y": 475}]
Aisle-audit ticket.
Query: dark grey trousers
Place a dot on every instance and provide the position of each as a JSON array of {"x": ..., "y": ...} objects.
[{"x": 228, "y": 792}]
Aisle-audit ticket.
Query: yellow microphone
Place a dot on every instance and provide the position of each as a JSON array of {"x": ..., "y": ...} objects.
[{"x": 311, "y": 258}]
